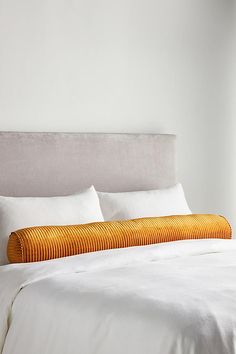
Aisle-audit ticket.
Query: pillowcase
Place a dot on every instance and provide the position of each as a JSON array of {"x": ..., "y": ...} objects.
[
  {"x": 47, "y": 242},
  {"x": 133, "y": 205},
  {"x": 21, "y": 212}
]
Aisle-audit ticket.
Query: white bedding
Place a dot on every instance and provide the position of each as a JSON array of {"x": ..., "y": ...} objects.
[{"x": 173, "y": 298}]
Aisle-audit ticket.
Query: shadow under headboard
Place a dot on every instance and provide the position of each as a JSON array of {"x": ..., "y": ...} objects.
[{"x": 48, "y": 164}]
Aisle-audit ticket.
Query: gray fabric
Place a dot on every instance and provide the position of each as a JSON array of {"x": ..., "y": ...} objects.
[{"x": 48, "y": 164}]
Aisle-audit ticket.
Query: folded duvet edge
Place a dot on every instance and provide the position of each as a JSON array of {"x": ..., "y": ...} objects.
[{"x": 47, "y": 242}]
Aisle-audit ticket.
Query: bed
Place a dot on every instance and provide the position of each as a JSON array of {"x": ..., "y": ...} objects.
[{"x": 168, "y": 298}]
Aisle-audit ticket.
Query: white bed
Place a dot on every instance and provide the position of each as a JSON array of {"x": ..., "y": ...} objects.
[
  {"x": 172, "y": 298},
  {"x": 175, "y": 298}
]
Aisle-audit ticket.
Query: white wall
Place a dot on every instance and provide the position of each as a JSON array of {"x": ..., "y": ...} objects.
[{"x": 128, "y": 66}]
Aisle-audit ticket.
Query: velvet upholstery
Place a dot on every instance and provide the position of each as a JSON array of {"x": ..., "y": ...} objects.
[{"x": 49, "y": 164}]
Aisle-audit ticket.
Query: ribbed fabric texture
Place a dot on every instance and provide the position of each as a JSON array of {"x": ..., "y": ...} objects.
[{"x": 47, "y": 242}]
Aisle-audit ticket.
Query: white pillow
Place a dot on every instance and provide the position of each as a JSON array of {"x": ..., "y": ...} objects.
[
  {"x": 20, "y": 212},
  {"x": 133, "y": 205}
]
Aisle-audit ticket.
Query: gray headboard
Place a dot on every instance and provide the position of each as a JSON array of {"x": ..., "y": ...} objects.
[{"x": 47, "y": 164}]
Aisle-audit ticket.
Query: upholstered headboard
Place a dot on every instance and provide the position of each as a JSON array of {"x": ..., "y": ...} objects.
[{"x": 47, "y": 164}]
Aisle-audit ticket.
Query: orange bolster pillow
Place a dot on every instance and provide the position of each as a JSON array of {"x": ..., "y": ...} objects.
[{"x": 46, "y": 242}]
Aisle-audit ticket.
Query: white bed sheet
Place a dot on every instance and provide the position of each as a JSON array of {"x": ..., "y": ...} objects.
[{"x": 173, "y": 298}]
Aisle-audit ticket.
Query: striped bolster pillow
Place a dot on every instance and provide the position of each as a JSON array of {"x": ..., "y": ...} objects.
[{"x": 47, "y": 242}]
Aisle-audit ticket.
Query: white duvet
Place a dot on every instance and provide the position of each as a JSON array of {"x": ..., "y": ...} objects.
[{"x": 173, "y": 298}]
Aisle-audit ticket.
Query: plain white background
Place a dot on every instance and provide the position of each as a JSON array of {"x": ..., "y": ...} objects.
[{"x": 148, "y": 66}]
